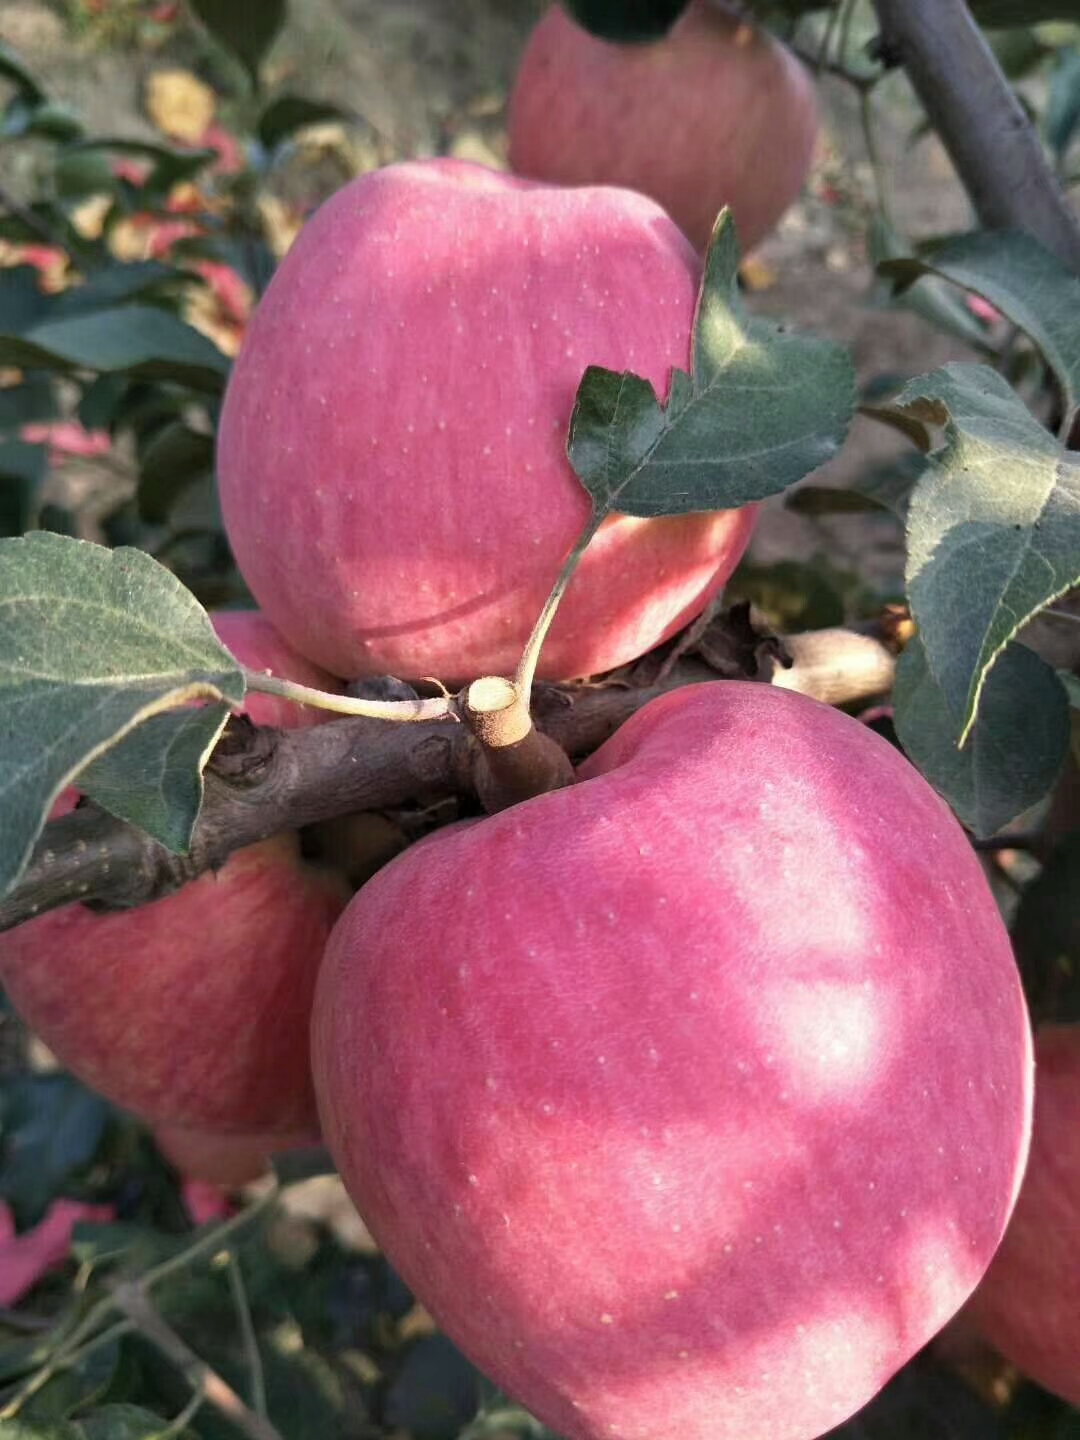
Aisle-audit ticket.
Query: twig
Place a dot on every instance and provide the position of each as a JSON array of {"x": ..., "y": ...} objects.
[
  {"x": 261, "y": 782},
  {"x": 980, "y": 120},
  {"x": 133, "y": 1301},
  {"x": 247, "y": 1331}
]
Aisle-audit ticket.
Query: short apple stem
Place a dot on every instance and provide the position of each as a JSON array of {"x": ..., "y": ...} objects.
[
  {"x": 514, "y": 761},
  {"x": 530, "y": 656},
  {"x": 438, "y": 708}
]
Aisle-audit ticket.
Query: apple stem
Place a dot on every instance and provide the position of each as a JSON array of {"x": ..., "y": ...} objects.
[
  {"x": 514, "y": 761},
  {"x": 530, "y": 656},
  {"x": 438, "y": 708}
]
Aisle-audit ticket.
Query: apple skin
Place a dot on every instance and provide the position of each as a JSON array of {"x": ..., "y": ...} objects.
[
  {"x": 391, "y": 452},
  {"x": 716, "y": 113},
  {"x": 693, "y": 1099},
  {"x": 228, "y": 1161},
  {"x": 1028, "y": 1306},
  {"x": 194, "y": 1010}
]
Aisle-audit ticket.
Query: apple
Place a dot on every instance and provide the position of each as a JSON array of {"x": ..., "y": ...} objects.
[
  {"x": 226, "y": 1160},
  {"x": 716, "y": 113},
  {"x": 1028, "y": 1306},
  {"x": 193, "y": 1011},
  {"x": 691, "y": 1099},
  {"x": 391, "y": 452}
]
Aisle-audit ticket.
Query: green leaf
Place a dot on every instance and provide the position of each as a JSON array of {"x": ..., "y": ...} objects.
[
  {"x": 1014, "y": 751},
  {"x": 23, "y": 468},
  {"x": 153, "y": 776},
  {"x": 763, "y": 409},
  {"x": 23, "y": 303},
  {"x": 993, "y": 526},
  {"x": 50, "y": 1129},
  {"x": 626, "y": 21},
  {"x": 928, "y": 297},
  {"x": 125, "y": 1422},
  {"x": 246, "y": 28},
  {"x": 1022, "y": 280},
  {"x": 42, "y": 119},
  {"x": 93, "y": 642},
  {"x": 1062, "y": 113},
  {"x": 115, "y": 284},
  {"x": 13, "y": 69},
  {"x": 172, "y": 163},
  {"x": 999, "y": 14},
  {"x": 435, "y": 1392},
  {"x": 287, "y": 114},
  {"x": 175, "y": 458},
  {"x": 139, "y": 340},
  {"x": 32, "y": 399},
  {"x": 818, "y": 500}
]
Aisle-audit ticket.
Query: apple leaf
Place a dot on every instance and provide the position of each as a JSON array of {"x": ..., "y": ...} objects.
[
  {"x": 13, "y": 70},
  {"x": 762, "y": 409},
  {"x": 94, "y": 642},
  {"x": 246, "y": 28},
  {"x": 287, "y": 114},
  {"x": 140, "y": 340},
  {"x": 993, "y": 526},
  {"x": 627, "y": 22},
  {"x": 50, "y": 1128},
  {"x": 1015, "y": 749},
  {"x": 153, "y": 776},
  {"x": 1018, "y": 277}
]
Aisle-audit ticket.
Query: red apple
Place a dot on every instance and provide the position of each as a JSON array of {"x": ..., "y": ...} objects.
[
  {"x": 693, "y": 1099},
  {"x": 392, "y": 444},
  {"x": 1028, "y": 1306},
  {"x": 226, "y": 1160},
  {"x": 716, "y": 113},
  {"x": 193, "y": 1011}
]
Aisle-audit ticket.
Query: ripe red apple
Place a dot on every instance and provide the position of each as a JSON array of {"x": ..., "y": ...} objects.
[
  {"x": 1028, "y": 1306},
  {"x": 716, "y": 113},
  {"x": 391, "y": 452},
  {"x": 226, "y": 1160},
  {"x": 693, "y": 1099},
  {"x": 193, "y": 1011}
]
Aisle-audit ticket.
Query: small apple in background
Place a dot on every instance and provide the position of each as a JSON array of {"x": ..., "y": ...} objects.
[
  {"x": 1028, "y": 1306},
  {"x": 392, "y": 448},
  {"x": 716, "y": 113},
  {"x": 692, "y": 1099},
  {"x": 193, "y": 1011}
]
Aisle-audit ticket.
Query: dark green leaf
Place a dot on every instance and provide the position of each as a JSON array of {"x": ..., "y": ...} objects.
[
  {"x": 763, "y": 409},
  {"x": 246, "y": 28},
  {"x": 101, "y": 400},
  {"x": 153, "y": 776},
  {"x": 287, "y": 114},
  {"x": 80, "y": 172},
  {"x": 1014, "y": 751},
  {"x": 33, "y": 399},
  {"x": 23, "y": 468},
  {"x": 13, "y": 69},
  {"x": 831, "y": 500},
  {"x": 172, "y": 163},
  {"x": 93, "y": 642},
  {"x": 143, "y": 342},
  {"x": 175, "y": 457},
  {"x": 1062, "y": 113},
  {"x": 627, "y": 21},
  {"x": 993, "y": 526},
  {"x": 44, "y": 119},
  {"x": 125, "y": 1422},
  {"x": 115, "y": 284},
  {"x": 1046, "y": 936},
  {"x": 435, "y": 1392},
  {"x": 50, "y": 1129},
  {"x": 23, "y": 303},
  {"x": 1022, "y": 280},
  {"x": 999, "y": 14}
]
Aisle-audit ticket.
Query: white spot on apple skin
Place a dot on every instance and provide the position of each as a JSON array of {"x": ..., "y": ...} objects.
[
  {"x": 671, "y": 1295},
  {"x": 606, "y": 1320},
  {"x": 473, "y": 1180}
]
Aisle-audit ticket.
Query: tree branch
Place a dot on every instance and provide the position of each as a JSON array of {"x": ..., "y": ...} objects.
[
  {"x": 262, "y": 781},
  {"x": 980, "y": 120}
]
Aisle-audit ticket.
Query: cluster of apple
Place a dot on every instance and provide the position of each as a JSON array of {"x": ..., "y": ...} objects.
[{"x": 692, "y": 1097}]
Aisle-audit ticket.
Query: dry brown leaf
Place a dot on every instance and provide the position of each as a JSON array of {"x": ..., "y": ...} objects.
[{"x": 180, "y": 105}]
